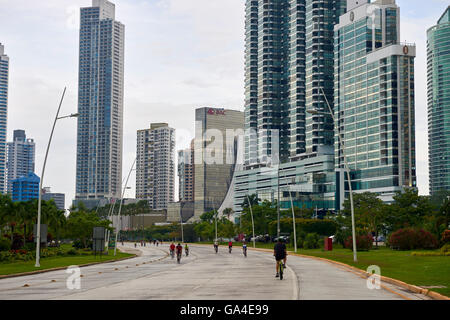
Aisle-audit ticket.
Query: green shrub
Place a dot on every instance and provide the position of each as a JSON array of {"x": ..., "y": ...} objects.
[
  {"x": 446, "y": 236},
  {"x": 311, "y": 241},
  {"x": 72, "y": 252},
  {"x": 5, "y": 245},
  {"x": 363, "y": 242},
  {"x": 409, "y": 239},
  {"x": 446, "y": 248}
]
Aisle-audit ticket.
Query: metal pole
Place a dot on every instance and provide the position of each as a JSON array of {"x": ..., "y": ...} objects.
[
  {"x": 293, "y": 218},
  {"x": 121, "y": 202},
  {"x": 355, "y": 258},
  {"x": 181, "y": 223},
  {"x": 253, "y": 222},
  {"x": 278, "y": 202},
  {"x": 38, "y": 236}
]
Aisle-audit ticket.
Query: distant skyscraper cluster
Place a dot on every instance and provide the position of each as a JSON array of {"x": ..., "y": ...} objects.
[{"x": 305, "y": 57}]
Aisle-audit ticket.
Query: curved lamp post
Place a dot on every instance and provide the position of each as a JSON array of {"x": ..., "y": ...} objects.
[
  {"x": 253, "y": 222},
  {"x": 38, "y": 235},
  {"x": 347, "y": 169},
  {"x": 121, "y": 202}
]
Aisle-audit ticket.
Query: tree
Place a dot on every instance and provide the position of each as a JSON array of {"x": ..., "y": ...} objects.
[
  {"x": 408, "y": 210},
  {"x": 254, "y": 200},
  {"x": 80, "y": 225},
  {"x": 228, "y": 212}
]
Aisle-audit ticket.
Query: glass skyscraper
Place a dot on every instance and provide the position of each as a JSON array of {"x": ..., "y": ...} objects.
[
  {"x": 289, "y": 57},
  {"x": 21, "y": 157},
  {"x": 100, "y": 103},
  {"x": 438, "y": 49},
  {"x": 4, "y": 78},
  {"x": 374, "y": 98}
]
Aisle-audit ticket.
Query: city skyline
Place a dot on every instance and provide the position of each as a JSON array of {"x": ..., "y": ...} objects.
[{"x": 148, "y": 100}]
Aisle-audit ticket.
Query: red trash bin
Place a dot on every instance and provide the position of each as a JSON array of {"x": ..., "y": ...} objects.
[{"x": 328, "y": 244}]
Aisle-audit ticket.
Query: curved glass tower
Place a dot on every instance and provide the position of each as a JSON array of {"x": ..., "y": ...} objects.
[{"x": 438, "y": 51}]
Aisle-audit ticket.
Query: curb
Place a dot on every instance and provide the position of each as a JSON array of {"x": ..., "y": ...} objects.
[{"x": 60, "y": 268}]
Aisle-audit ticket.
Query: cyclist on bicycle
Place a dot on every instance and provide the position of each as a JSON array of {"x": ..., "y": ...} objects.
[
  {"x": 179, "y": 249},
  {"x": 230, "y": 246},
  {"x": 216, "y": 245},
  {"x": 244, "y": 248},
  {"x": 186, "y": 249},
  {"x": 279, "y": 252},
  {"x": 172, "y": 249}
]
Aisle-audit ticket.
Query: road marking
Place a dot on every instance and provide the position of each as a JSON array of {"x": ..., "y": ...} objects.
[{"x": 295, "y": 295}]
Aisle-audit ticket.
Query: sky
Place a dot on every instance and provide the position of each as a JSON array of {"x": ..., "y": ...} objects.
[{"x": 179, "y": 55}]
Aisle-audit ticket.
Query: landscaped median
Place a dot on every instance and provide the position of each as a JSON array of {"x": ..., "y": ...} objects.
[{"x": 59, "y": 261}]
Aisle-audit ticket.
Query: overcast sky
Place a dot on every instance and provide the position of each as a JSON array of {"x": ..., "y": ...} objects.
[{"x": 179, "y": 55}]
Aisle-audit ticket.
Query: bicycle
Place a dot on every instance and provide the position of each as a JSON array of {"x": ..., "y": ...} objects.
[
  {"x": 187, "y": 252},
  {"x": 172, "y": 253},
  {"x": 245, "y": 252},
  {"x": 229, "y": 249},
  {"x": 281, "y": 268},
  {"x": 216, "y": 248},
  {"x": 179, "y": 257}
]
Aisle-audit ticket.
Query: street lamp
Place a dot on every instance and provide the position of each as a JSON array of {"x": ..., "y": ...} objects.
[
  {"x": 347, "y": 169},
  {"x": 253, "y": 222},
  {"x": 121, "y": 202},
  {"x": 293, "y": 221},
  {"x": 38, "y": 235}
]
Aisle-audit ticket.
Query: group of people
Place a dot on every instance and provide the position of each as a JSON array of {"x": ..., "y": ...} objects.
[
  {"x": 279, "y": 252},
  {"x": 178, "y": 249}
]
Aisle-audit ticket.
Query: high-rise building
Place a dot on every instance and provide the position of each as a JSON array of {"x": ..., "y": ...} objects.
[
  {"x": 21, "y": 157},
  {"x": 155, "y": 165},
  {"x": 25, "y": 188},
  {"x": 215, "y": 152},
  {"x": 186, "y": 174},
  {"x": 374, "y": 99},
  {"x": 438, "y": 49},
  {"x": 58, "y": 198},
  {"x": 289, "y": 60},
  {"x": 100, "y": 104},
  {"x": 4, "y": 79}
]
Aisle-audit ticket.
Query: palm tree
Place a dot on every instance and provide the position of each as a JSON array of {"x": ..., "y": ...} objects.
[
  {"x": 254, "y": 201},
  {"x": 228, "y": 212}
]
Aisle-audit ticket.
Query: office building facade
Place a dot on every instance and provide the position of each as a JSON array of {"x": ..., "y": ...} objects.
[
  {"x": 438, "y": 52},
  {"x": 186, "y": 174},
  {"x": 215, "y": 151},
  {"x": 21, "y": 157},
  {"x": 100, "y": 104},
  {"x": 58, "y": 198},
  {"x": 4, "y": 80},
  {"x": 25, "y": 188},
  {"x": 374, "y": 99},
  {"x": 288, "y": 61},
  {"x": 155, "y": 165}
]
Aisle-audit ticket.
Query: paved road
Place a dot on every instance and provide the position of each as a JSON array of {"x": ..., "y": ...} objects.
[{"x": 203, "y": 275}]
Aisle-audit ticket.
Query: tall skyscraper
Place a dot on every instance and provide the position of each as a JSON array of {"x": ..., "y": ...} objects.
[
  {"x": 438, "y": 49},
  {"x": 100, "y": 103},
  {"x": 374, "y": 98},
  {"x": 4, "y": 79},
  {"x": 21, "y": 157},
  {"x": 214, "y": 156},
  {"x": 289, "y": 59},
  {"x": 186, "y": 174},
  {"x": 155, "y": 165}
]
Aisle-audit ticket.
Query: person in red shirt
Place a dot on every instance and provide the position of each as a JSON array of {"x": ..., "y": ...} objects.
[
  {"x": 172, "y": 250},
  {"x": 230, "y": 246}
]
